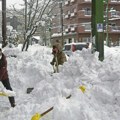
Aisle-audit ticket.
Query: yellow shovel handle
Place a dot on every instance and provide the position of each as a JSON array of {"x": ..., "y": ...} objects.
[{"x": 3, "y": 94}]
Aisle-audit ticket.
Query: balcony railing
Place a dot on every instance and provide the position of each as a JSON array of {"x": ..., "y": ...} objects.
[
  {"x": 112, "y": 14},
  {"x": 114, "y": 2},
  {"x": 115, "y": 14},
  {"x": 83, "y": 29},
  {"x": 72, "y": 1},
  {"x": 112, "y": 29},
  {"x": 84, "y": 14},
  {"x": 85, "y": 1},
  {"x": 86, "y": 28}
]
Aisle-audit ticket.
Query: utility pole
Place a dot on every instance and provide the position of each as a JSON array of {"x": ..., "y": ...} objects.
[
  {"x": 107, "y": 20},
  {"x": 4, "y": 37},
  {"x": 93, "y": 26},
  {"x": 25, "y": 30},
  {"x": 97, "y": 26},
  {"x": 61, "y": 19},
  {"x": 25, "y": 19},
  {"x": 50, "y": 26}
]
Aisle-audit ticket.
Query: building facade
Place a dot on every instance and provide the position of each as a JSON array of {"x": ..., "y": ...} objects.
[{"x": 77, "y": 21}]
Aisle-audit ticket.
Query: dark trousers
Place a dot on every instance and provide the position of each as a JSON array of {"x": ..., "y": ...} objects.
[{"x": 7, "y": 85}]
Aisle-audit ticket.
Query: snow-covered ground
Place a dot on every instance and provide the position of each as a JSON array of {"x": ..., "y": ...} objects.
[{"x": 101, "y": 100}]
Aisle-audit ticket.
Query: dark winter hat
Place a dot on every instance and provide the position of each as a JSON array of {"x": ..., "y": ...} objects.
[
  {"x": 54, "y": 47},
  {"x": 57, "y": 41}
]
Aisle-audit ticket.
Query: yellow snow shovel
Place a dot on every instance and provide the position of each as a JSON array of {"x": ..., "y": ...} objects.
[
  {"x": 82, "y": 88},
  {"x": 37, "y": 116}
]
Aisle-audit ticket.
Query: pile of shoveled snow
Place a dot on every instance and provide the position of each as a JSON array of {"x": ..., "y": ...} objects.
[{"x": 101, "y": 79}]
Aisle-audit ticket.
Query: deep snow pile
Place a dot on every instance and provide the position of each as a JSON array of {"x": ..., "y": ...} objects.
[{"x": 101, "y": 101}]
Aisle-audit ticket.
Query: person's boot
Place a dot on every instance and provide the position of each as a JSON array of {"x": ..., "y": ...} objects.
[{"x": 12, "y": 101}]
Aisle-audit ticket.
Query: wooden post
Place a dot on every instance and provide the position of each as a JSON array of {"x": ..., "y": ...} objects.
[{"x": 4, "y": 37}]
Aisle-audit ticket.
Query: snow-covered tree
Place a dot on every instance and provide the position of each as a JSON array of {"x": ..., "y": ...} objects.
[{"x": 35, "y": 13}]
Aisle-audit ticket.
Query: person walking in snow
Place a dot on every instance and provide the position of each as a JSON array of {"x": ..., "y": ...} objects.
[
  {"x": 59, "y": 57},
  {"x": 4, "y": 76}
]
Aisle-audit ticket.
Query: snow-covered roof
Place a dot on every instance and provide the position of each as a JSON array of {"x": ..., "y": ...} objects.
[
  {"x": 36, "y": 37},
  {"x": 56, "y": 34},
  {"x": 118, "y": 18},
  {"x": 9, "y": 27}
]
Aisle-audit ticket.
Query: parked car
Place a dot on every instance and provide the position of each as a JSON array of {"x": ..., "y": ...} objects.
[{"x": 72, "y": 47}]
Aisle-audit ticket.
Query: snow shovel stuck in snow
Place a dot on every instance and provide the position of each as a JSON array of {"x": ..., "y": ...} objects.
[
  {"x": 82, "y": 88},
  {"x": 37, "y": 116},
  {"x": 57, "y": 70},
  {"x": 55, "y": 66},
  {"x": 29, "y": 90}
]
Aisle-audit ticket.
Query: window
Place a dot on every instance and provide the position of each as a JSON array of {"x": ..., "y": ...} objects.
[
  {"x": 87, "y": 27},
  {"x": 67, "y": 2},
  {"x": 68, "y": 12},
  {"x": 66, "y": 30},
  {"x": 80, "y": 46},
  {"x": 72, "y": 29},
  {"x": 87, "y": 11},
  {"x": 112, "y": 24},
  {"x": 114, "y": 13},
  {"x": 69, "y": 40},
  {"x": 75, "y": 10},
  {"x": 86, "y": 39},
  {"x": 72, "y": 14},
  {"x": 66, "y": 16},
  {"x": 67, "y": 47}
]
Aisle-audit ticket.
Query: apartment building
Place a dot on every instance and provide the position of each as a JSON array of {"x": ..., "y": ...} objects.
[
  {"x": 77, "y": 21},
  {"x": 113, "y": 22}
]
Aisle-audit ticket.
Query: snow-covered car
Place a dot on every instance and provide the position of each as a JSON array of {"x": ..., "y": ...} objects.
[{"x": 72, "y": 47}]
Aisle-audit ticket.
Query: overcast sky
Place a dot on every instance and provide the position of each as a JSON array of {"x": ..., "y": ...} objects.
[{"x": 12, "y": 2}]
